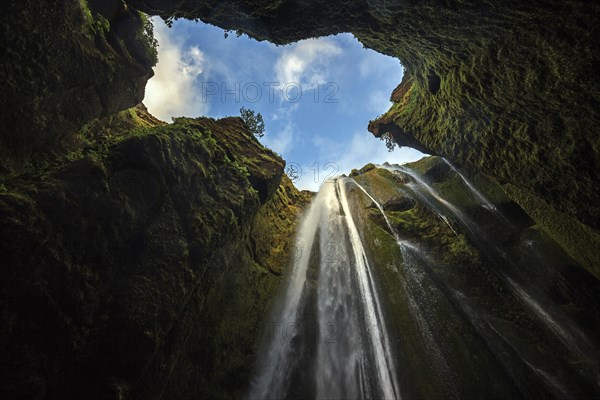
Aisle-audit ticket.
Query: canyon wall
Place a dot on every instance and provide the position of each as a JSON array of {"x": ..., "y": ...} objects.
[
  {"x": 131, "y": 268},
  {"x": 64, "y": 64}
]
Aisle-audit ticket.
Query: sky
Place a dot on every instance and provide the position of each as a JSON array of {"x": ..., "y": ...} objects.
[{"x": 316, "y": 96}]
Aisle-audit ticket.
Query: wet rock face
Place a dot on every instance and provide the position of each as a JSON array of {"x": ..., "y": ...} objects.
[
  {"x": 399, "y": 203},
  {"x": 64, "y": 64},
  {"x": 510, "y": 89},
  {"x": 465, "y": 253}
]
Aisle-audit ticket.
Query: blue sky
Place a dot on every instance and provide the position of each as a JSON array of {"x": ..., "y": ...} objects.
[{"x": 316, "y": 96}]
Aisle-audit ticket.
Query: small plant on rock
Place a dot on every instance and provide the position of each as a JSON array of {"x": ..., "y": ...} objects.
[{"x": 389, "y": 141}]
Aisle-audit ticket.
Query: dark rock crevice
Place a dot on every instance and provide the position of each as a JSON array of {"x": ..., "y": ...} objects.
[
  {"x": 65, "y": 64},
  {"x": 433, "y": 82}
]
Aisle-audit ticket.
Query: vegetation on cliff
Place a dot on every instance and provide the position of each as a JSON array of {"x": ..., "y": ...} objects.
[
  {"x": 130, "y": 267},
  {"x": 446, "y": 274}
]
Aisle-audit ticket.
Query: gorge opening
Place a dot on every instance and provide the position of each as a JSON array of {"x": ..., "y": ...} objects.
[{"x": 314, "y": 94}]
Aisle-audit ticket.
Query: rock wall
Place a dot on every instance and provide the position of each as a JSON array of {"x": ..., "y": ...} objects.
[
  {"x": 453, "y": 295},
  {"x": 64, "y": 64},
  {"x": 129, "y": 268}
]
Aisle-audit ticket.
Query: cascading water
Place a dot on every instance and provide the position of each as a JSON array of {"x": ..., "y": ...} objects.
[
  {"x": 531, "y": 296},
  {"x": 351, "y": 326},
  {"x": 279, "y": 357},
  {"x": 418, "y": 299},
  {"x": 422, "y": 187},
  {"x": 472, "y": 189},
  {"x": 349, "y": 352}
]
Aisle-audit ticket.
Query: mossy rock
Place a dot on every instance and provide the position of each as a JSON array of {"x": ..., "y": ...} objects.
[
  {"x": 127, "y": 269},
  {"x": 86, "y": 60},
  {"x": 456, "y": 267}
]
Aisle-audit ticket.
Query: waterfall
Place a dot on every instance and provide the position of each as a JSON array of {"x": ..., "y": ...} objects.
[
  {"x": 418, "y": 301},
  {"x": 350, "y": 354},
  {"x": 336, "y": 331},
  {"x": 428, "y": 195},
  {"x": 568, "y": 334},
  {"x": 519, "y": 280},
  {"x": 380, "y": 208},
  {"x": 275, "y": 364},
  {"x": 485, "y": 203}
]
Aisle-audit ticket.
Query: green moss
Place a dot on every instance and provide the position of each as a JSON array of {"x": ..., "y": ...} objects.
[
  {"x": 380, "y": 182},
  {"x": 424, "y": 164},
  {"x": 414, "y": 303},
  {"x": 87, "y": 13},
  {"x": 145, "y": 35},
  {"x": 84, "y": 61},
  {"x": 161, "y": 236},
  {"x": 94, "y": 24},
  {"x": 273, "y": 231},
  {"x": 419, "y": 223},
  {"x": 578, "y": 240},
  {"x": 461, "y": 250},
  {"x": 74, "y": 155}
]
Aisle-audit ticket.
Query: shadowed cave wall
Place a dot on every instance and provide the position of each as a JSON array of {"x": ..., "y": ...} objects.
[{"x": 506, "y": 88}]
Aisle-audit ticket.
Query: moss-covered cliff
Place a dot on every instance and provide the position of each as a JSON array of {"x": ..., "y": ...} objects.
[
  {"x": 453, "y": 289},
  {"x": 131, "y": 268},
  {"x": 65, "y": 63}
]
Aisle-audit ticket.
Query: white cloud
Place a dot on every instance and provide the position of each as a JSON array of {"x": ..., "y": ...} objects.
[
  {"x": 285, "y": 112},
  {"x": 379, "y": 101},
  {"x": 172, "y": 91},
  {"x": 306, "y": 62},
  {"x": 361, "y": 149},
  {"x": 375, "y": 65},
  {"x": 280, "y": 142},
  {"x": 307, "y": 180}
]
